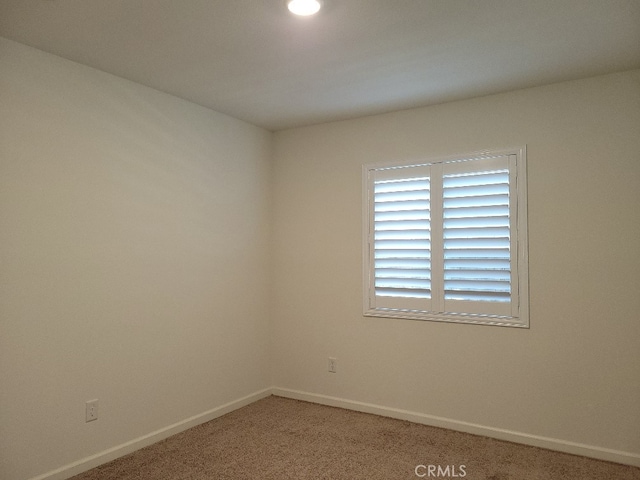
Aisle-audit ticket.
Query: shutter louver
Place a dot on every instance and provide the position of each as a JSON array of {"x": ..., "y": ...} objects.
[
  {"x": 477, "y": 240},
  {"x": 402, "y": 240}
]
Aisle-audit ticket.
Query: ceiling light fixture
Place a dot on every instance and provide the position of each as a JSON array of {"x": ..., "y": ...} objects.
[{"x": 304, "y": 7}]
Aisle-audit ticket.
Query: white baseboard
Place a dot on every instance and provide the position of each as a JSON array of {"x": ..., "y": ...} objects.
[
  {"x": 93, "y": 461},
  {"x": 617, "y": 456}
]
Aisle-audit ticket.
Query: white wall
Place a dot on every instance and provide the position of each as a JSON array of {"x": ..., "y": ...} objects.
[
  {"x": 574, "y": 376},
  {"x": 134, "y": 237}
]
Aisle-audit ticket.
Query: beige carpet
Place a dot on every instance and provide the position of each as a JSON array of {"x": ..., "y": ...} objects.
[{"x": 279, "y": 439}]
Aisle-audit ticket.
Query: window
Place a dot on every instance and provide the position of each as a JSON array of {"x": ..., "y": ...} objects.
[{"x": 446, "y": 239}]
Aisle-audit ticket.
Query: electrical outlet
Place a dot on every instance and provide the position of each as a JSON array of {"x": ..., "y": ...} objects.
[
  {"x": 333, "y": 365},
  {"x": 91, "y": 410}
]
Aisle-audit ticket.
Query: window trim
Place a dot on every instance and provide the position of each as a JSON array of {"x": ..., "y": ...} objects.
[{"x": 521, "y": 283}]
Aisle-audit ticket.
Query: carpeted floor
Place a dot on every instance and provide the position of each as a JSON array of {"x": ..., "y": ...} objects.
[{"x": 280, "y": 439}]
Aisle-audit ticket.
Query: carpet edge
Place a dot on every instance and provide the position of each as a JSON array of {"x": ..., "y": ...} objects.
[{"x": 555, "y": 444}]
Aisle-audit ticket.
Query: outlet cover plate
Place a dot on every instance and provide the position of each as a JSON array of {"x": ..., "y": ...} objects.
[{"x": 91, "y": 410}]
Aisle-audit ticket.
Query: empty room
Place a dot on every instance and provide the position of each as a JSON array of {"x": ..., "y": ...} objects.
[{"x": 350, "y": 239}]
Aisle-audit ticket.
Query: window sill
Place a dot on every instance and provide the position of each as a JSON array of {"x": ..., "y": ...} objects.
[{"x": 449, "y": 317}]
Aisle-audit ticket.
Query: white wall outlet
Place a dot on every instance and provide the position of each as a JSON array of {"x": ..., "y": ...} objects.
[
  {"x": 91, "y": 410},
  {"x": 333, "y": 365}
]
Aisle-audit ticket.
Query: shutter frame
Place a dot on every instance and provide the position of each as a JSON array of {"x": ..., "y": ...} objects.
[{"x": 514, "y": 311}]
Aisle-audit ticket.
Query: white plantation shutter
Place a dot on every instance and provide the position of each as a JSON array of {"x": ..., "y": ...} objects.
[
  {"x": 401, "y": 238},
  {"x": 446, "y": 240},
  {"x": 477, "y": 236}
]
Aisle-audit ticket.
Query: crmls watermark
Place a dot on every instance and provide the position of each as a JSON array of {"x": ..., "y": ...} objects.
[{"x": 451, "y": 471}]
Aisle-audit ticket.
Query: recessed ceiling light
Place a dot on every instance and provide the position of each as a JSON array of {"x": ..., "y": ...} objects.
[{"x": 304, "y": 7}]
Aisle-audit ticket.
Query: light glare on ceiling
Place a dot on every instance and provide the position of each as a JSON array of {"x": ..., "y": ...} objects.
[{"x": 303, "y": 7}]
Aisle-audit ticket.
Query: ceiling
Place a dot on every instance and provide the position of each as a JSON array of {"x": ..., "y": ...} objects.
[{"x": 253, "y": 60}]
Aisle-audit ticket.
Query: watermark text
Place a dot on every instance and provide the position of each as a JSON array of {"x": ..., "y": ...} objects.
[{"x": 433, "y": 471}]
